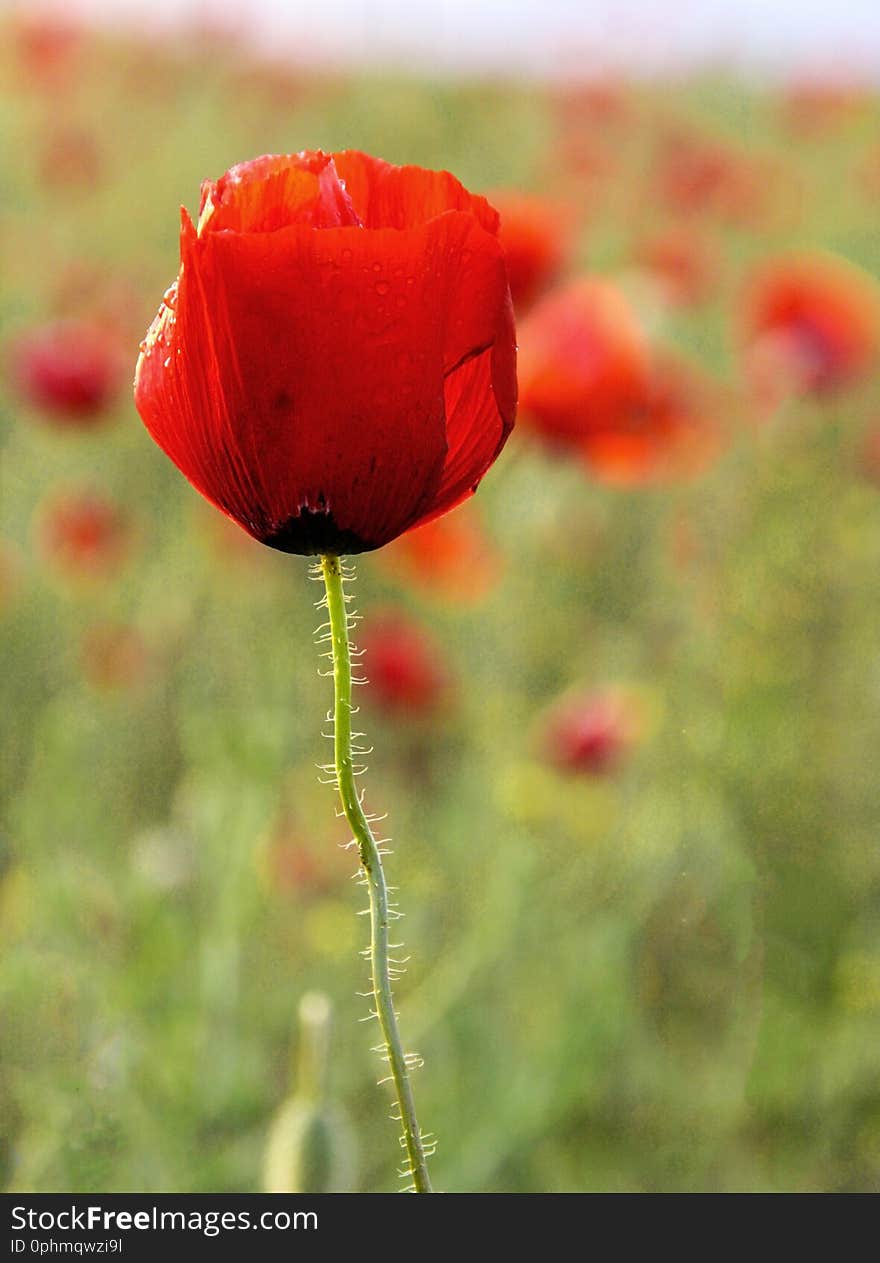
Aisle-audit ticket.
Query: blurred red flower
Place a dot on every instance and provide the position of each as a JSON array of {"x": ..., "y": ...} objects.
[
  {"x": 82, "y": 534},
  {"x": 536, "y": 236},
  {"x": 669, "y": 432},
  {"x": 336, "y": 362},
  {"x": 114, "y": 657},
  {"x": 683, "y": 260},
  {"x": 870, "y": 455},
  {"x": 591, "y": 386},
  {"x": 810, "y": 323},
  {"x": 591, "y": 732},
  {"x": 402, "y": 663},
  {"x": 48, "y": 48},
  {"x": 583, "y": 358},
  {"x": 593, "y": 103},
  {"x": 71, "y": 158},
  {"x": 695, "y": 174},
  {"x": 813, "y": 106},
  {"x": 70, "y": 371},
  {"x": 451, "y": 557}
]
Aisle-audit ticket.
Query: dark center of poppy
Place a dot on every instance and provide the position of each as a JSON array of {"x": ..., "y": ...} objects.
[{"x": 311, "y": 533}]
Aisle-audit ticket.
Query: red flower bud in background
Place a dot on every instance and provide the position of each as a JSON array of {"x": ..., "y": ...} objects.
[
  {"x": 402, "y": 664},
  {"x": 536, "y": 236},
  {"x": 336, "y": 362},
  {"x": 82, "y": 535},
  {"x": 811, "y": 323},
  {"x": 591, "y": 733},
  {"x": 70, "y": 371}
]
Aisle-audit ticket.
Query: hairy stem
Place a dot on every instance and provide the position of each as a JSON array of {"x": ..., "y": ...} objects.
[{"x": 381, "y": 914}]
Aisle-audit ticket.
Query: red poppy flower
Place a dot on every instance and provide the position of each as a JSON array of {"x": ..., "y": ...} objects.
[
  {"x": 583, "y": 358},
  {"x": 535, "y": 234},
  {"x": 811, "y": 323},
  {"x": 83, "y": 534},
  {"x": 591, "y": 732},
  {"x": 402, "y": 664},
  {"x": 336, "y": 362},
  {"x": 70, "y": 371}
]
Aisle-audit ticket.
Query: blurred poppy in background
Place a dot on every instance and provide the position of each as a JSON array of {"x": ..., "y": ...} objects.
[
  {"x": 701, "y": 175},
  {"x": 593, "y": 387},
  {"x": 669, "y": 431},
  {"x": 683, "y": 260},
  {"x": 336, "y": 362},
  {"x": 70, "y": 371},
  {"x": 583, "y": 358},
  {"x": 592, "y": 732},
  {"x": 403, "y": 665},
  {"x": 70, "y": 157},
  {"x": 536, "y": 236},
  {"x": 451, "y": 558},
  {"x": 810, "y": 323},
  {"x": 82, "y": 534},
  {"x": 114, "y": 657}
]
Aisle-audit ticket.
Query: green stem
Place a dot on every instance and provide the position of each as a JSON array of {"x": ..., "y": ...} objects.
[{"x": 374, "y": 876}]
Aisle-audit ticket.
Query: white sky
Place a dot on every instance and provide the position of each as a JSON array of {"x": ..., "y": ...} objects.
[{"x": 541, "y": 36}]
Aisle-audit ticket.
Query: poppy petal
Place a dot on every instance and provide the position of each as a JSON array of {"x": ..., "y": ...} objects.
[
  {"x": 387, "y": 196},
  {"x": 274, "y": 192}
]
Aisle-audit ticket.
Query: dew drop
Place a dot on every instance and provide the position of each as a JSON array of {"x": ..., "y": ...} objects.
[{"x": 382, "y": 288}]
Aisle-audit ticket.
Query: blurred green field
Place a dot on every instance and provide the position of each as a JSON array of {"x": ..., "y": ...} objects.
[{"x": 665, "y": 978}]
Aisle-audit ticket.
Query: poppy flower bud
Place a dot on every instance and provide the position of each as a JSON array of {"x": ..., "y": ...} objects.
[
  {"x": 402, "y": 664},
  {"x": 311, "y": 1146},
  {"x": 68, "y": 370},
  {"x": 336, "y": 361}
]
